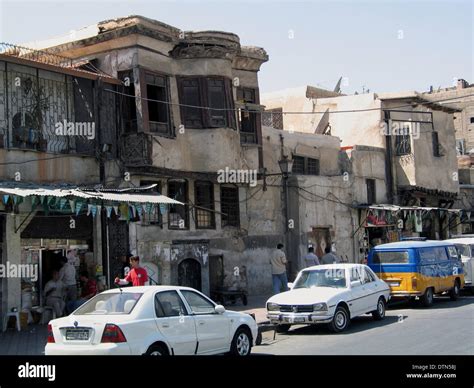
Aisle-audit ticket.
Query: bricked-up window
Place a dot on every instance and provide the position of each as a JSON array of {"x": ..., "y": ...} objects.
[
  {"x": 178, "y": 215},
  {"x": 230, "y": 206},
  {"x": 247, "y": 118},
  {"x": 305, "y": 166},
  {"x": 196, "y": 94},
  {"x": 128, "y": 103},
  {"x": 204, "y": 199},
  {"x": 273, "y": 118},
  {"x": 371, "y": 197},
  {"x": 155, "y": 217},
  {"x": 158, "y": 112}
]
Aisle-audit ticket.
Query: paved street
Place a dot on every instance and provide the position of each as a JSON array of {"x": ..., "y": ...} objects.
[{"x": 445, "y": 329}]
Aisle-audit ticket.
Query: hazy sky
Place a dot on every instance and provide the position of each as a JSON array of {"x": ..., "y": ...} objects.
[{"x": 379, "y": 45}]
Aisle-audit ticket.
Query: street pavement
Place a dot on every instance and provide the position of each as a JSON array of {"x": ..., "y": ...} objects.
[{"x": 447, "y": 328}]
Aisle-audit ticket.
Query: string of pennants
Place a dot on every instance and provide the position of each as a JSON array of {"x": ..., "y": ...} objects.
[
  {"x": 417, "y": 212},
  {"x": 127, "y": 210}
]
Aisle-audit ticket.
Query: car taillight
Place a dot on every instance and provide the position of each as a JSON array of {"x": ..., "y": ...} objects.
[
  {"x": 112, "y": 334},
  {"x": 414, "y": 282},
  {"x": 50, "y": 334}
]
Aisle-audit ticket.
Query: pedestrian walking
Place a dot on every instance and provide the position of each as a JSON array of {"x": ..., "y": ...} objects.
[
  {"x": 279, "y": 278},
  {"x": 67, "y": 274},
  {"x": 329, "y": 257},
  {"x": 310, "y": 258}
]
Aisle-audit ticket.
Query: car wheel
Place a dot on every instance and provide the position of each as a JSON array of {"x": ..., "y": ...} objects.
[
  {"x": 157, "y": 350},
  {"x": 454, "y": 292},
  {"x": 241, "y": 343},
  {"x": 379, "y": 313},
  {"x": 283, "y": 328},
  {"x": 340, "y": 321},
  {"x": 427, "y": 298}
]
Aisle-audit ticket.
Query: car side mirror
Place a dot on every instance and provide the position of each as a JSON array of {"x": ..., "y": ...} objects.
[
  {"x": 290, "y": 286},
  {"x": 219, "y": 309},
  {"x": 356, "y": 283}
]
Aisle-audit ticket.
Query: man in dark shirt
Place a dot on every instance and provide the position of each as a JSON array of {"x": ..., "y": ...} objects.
[{"x": 89, "y": 290}]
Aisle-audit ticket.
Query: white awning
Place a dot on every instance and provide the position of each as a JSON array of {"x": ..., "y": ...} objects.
[{"x": 97, "y": 195}]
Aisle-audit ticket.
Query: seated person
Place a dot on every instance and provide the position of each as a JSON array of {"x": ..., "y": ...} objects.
[
  {"x": 89, "y": 290},
  {"x": 54, "y": 292}
]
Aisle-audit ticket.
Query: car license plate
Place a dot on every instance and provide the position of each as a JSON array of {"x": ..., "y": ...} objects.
[
  {"x": 394, "y": 284},
  {"x": 294, "y": 319},
  {"x": 77, "y": 334}
]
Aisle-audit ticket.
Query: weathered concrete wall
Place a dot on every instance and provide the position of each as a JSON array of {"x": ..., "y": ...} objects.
[{"x": 68, "y": 168}]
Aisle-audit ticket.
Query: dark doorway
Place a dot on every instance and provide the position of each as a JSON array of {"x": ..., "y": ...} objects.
[
  {"x": 50, "y": 261},
  {"x": 118, "y": 247},
  {"x": 216, "y": 272},
  {"x": 189, "y": 274}
]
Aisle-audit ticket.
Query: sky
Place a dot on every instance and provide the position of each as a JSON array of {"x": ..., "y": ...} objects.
[{"x": 379, "y": 45}]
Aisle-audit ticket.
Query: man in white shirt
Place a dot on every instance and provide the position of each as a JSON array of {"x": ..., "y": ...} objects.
[
  {"x": 67, "y": 274},
  {"x": 54, "y": 294}
]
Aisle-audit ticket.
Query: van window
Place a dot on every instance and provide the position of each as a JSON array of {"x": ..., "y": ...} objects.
[
  {"x": 453, "y": 253},
  {"x": 433, "y": 254},
  {"x": 464, "y": 250},
  {"x": 387, "y": 257}
]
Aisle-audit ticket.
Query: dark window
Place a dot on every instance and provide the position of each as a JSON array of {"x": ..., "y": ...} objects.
[
  {"x": 472, "y": 120},
  {"x": 178, "y": 215},
  {"x": 199, "y": 304},
  {"x": 435, "y": 138},
  {"x": 198, "y": 94},
  {"x": 305, "y": 166},
  {"x": 154, "y": 217},
  {"x": 273, "y": 118},
  {"x": 204, "y": 199},
  {"x": 387, "y": 257},
  {"x": 298, "y": 165},
  {"x": 247, "y": 118},
  {"x": 128, "y": 103},
  {"x": 169, "y": 304},
  {"x": 371, "y": 197},
  {"x": 230, "y": 206},
  {"x": 158, "y": 109}
]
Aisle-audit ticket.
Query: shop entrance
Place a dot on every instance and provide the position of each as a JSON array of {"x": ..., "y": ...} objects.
[
  {"x": 189, "y": 274},
  {"x": 50, "y": 261}
]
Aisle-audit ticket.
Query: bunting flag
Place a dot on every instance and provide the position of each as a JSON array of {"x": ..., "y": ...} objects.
[
  {"x": 62, "y": 203},
  {"x": 108, "y": 210},
  {"x": 116, "y": 210},
  {"x": 78, "y": 207},
  {"x": 468, "y": 214},
  {"x": 34, "y": 202},
  {"x": 162, "y": 208},
  {"x": 5, "y": 198},
  {"x": 42, "y": 198},
  {"x": 72, "y": 204},
  {"x": 89, "y": 208},
  {"x": 149, "y": 208},
  {"x": 98, "y": 210},
  {"x": 123, "y": 208},
  {"x": 139, "y": 210},
  {"x": 94, "y": 210},
  {"x": 50, "y": 199},
  {"x": 133, "y": 210}
]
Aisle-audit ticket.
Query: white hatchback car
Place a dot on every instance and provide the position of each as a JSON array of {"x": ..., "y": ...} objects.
[
  {"x": 332, "y": 294},
  {"x": 151, "y": 320}
]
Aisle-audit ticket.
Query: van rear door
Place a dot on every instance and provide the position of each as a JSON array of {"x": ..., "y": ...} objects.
[{"x": 392, "y": 267}]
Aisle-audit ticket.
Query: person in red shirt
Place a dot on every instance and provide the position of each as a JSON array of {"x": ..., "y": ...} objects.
[
  {"x": 137, "y": 275},
  {"x": 89, "y": 290}
]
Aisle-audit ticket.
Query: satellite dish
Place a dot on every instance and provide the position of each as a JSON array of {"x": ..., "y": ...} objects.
[{"x": 337, "y": 89}]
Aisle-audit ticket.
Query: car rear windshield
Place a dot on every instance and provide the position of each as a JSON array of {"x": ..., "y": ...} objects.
[
  {"x": 390, "y": 257},
  {"x": 110, "y": 304},
  {"x": 322, "y": 278}
]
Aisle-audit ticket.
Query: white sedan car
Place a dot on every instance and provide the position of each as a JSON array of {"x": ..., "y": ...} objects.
[
  {"x": 332, "y": 294},
  {"x": 151, "y": 320}
]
